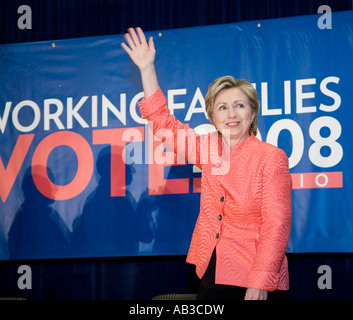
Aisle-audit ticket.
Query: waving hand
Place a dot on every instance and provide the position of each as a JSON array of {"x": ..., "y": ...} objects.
[
  {"x": 143, "y": 55},
  {"x": 140, "y": 52}
]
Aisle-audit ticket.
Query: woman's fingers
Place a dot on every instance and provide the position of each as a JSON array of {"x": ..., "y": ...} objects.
[
  {"x": 126, "y": 48},
  {"x": 136, "y": 46},
  {"x": 134, "y": 37},
  {"x": 129, "y": 40},
  {"x": 151, "y": 43},
  {"x": 141, "y": 36}
]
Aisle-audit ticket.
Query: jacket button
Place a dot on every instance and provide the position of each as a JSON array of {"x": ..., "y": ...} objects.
[
  {"x": 219, "y": 217},
  {"x": 217, "y": 235},
  {"x": 222, "y": 199}
]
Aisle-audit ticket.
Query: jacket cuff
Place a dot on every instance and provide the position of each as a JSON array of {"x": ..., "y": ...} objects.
[
  {"x": 152, "y": 104},
  {"x": 263, "y": 280}
]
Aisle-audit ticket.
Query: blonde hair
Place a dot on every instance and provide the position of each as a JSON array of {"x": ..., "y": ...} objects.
[{"x": 228, "y": 82}]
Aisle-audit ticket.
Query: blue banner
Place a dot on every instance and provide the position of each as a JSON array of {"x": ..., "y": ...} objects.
[{"x": 78, "y": 169}]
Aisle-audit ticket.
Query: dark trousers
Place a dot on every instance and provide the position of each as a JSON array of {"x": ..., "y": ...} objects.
[{"x": 210, "y": 291}]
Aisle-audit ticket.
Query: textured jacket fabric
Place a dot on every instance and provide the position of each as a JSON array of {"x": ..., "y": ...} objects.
[{"x": 245, "y": 209}]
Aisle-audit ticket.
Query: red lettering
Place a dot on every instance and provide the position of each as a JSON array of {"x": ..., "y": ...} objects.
[
  {"x": 156, "y": 182},
  {"x": 84, "y": 168},
  {"x": 114, "y": 137},
  {"x": 9, "y": 175}
]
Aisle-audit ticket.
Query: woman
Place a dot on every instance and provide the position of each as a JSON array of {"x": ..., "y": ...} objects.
[{"x": 242, "y": 232}]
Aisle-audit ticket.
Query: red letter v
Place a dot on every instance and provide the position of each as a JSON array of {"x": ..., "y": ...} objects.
[{"x": 9, "y": 175}]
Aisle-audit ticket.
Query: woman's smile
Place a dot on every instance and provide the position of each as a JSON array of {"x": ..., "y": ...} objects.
[{"x": 232, "y": 111}]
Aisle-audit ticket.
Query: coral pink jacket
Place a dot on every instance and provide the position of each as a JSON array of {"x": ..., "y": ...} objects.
[{"x": 245, "y": 207}]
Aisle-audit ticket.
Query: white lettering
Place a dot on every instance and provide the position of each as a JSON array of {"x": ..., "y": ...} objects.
[
  {"x": 198, "y": 97},
  {"x": 173, "y": 105},
  {"x": 24, "y": 21},
  {"x": 100, "y": 108},
  {"x": 264, "y": 102},
  {"x": 53, "y": 116},
  {"x": 287, "y": 98},
  {"x": 132, "y": 152},
  {"x": 336, "y": 149},
  {"x": 146, "y": 310},
  {"x": 133, "y": 105},
  {"x": 94, "y": 111},
  {"x": 325, "y": 21},
  {"x": 36, "y": 117},
  {"x": 325, "y": 180},
  {"x": 72, "y": 112},
  {"x": 120, "y": 114},
  {"x": 325, "y": 281},
  {"x": 334, "y": 95},
  {"x": 24, "y": 281},
  {"x": 5, "y": 116},
  {"x": 297, "y": 138},
  {"x": 307, "y": 95}
]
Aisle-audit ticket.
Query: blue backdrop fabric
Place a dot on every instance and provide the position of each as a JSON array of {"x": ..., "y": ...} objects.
[{"x": 69, "y": 115}]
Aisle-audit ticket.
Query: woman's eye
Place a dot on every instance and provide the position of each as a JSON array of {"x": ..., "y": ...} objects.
[
  {"x": 222, "y": 107},
  {"x": 240, "y": 105}
]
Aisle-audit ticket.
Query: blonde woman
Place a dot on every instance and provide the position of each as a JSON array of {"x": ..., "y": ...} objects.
[{"x": 242, "y": 231}]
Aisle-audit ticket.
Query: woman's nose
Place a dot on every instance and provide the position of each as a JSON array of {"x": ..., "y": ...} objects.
[{"x": 232, "y": 113}]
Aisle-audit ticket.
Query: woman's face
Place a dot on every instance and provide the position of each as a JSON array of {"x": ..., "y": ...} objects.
[{"x": 232, "y": 111}]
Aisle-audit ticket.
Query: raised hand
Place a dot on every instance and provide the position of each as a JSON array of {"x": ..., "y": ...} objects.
[{"x": 140, "y": 52}]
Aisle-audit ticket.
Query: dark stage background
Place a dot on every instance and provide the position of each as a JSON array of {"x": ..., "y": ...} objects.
[{"x": 146, "y": 277}]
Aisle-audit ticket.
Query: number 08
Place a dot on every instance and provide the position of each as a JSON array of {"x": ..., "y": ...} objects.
[{"x": 315, "y": 155}]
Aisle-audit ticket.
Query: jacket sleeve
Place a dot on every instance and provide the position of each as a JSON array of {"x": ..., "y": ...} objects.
[
  {"x": 176, "y": 136},
  {"x": 276, "y": 214}
]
